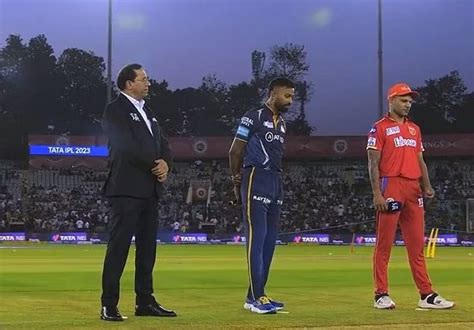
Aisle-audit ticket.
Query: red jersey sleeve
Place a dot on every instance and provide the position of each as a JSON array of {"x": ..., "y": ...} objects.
[{"x": 376, "y": 138}]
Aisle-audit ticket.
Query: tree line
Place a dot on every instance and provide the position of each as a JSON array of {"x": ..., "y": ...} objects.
[
  {"x": 44, "y": 94},
  {"x": 67, "y": 94}
]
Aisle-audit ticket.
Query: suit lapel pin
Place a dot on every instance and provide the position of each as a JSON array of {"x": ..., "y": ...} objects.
[{"x": 134, "y": 116}]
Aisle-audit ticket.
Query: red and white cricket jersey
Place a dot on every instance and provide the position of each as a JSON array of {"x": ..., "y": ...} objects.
[{"x": 399, "y": 145}]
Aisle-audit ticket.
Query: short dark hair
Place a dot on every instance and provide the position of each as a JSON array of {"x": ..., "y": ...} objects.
[
  {"x": 127, "y": 73},
  {"x": 280, "y": 82}
]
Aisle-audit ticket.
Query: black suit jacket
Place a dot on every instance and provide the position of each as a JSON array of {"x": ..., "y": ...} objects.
[{"x": 133, "y": 151}]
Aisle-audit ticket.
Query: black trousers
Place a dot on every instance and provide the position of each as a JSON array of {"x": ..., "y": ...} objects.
[{"x": 130, "y": 216}]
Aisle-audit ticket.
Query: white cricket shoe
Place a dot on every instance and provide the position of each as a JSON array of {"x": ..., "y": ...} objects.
[
  {"x": 435, "y": 301},
  {"x": 384, "y": 302}
]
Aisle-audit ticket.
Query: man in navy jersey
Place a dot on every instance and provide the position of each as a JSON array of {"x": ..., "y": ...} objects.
[{"x": 255, "y": 159}]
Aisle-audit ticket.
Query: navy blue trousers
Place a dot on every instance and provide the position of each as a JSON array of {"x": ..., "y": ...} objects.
[{"x": 262, "y": 197}]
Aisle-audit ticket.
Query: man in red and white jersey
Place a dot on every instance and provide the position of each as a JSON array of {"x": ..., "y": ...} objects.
[{"x": 399, "y": 179}]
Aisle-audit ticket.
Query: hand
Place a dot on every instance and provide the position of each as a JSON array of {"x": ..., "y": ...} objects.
[
  {"x": 161, "y": 168},
  {"x": 238, "y": 198},
  {"x": 379, "y": 203},
  {"x": 429, "y": 192},
  {"x": 162, "y": 178},
  {"x": 236, "y": 179}
]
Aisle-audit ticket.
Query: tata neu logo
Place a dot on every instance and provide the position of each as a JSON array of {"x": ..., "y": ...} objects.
[
  {"x": 365, "y": 239},
  {"x": 318, "y": 238},
  {"x": 238, "y": 239},
  {"x": 7, "y": 238},
  {"x": 189, "y": 238},
  {"x": 68, "y": 237}
]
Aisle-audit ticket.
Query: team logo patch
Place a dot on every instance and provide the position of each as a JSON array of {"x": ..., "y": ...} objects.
[
  {"x": 268, "y": 124},
  {"x": 371, "y": 142},
  {"x": 243, "y": 131},
  {"x": 392, "y": 130},
  {"x": 412, "y": 130}
]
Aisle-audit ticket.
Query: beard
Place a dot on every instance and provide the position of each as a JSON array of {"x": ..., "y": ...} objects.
[
  {"x": 284, "y": 108},
  {"x": 404, "y": 113},
  {"x": 401, "y": 113}
]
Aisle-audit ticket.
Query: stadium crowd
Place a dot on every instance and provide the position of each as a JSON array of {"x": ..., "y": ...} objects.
[{"x": 322, "y": 196}]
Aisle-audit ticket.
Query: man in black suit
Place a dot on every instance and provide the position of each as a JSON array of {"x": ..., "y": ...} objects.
[{"x": 140, "y": 159}]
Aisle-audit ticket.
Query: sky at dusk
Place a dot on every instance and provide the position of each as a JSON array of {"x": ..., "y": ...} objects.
[{"x": 183, "y": 40}]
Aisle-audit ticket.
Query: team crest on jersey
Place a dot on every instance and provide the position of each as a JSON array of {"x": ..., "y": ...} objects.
[
  {"x": 392, "y": 130},
  {"x": 268, "y": 124},
  {"x": 412, "y": 130},
  {"x": 371, "y": 142}
]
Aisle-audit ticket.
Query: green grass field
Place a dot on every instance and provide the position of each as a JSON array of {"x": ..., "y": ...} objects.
[{"x": 58, "y": 287}]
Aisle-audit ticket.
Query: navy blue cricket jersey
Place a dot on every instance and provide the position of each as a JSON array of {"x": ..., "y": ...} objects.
[{"x": 265, "y": 136}]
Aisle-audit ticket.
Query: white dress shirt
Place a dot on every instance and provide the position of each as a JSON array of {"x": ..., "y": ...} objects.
[{"x": 139, "y": 105}]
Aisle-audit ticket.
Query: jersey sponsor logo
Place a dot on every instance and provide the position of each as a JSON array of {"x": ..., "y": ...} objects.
[
  {"x": 402, "y": 142},
  {"x": 392, "y": 130},
  {"x": 412, "y": 130},
  {"x": 268, "y": 124},
  {"x": 246, "y": 121},
  {"x": 269, "y": 137},
  {"x": 373, "y": 130},
  {"x": 262, "y": 199},
  {"x": 371, "y": 142},
  {"x": 243, "y": 131}
]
